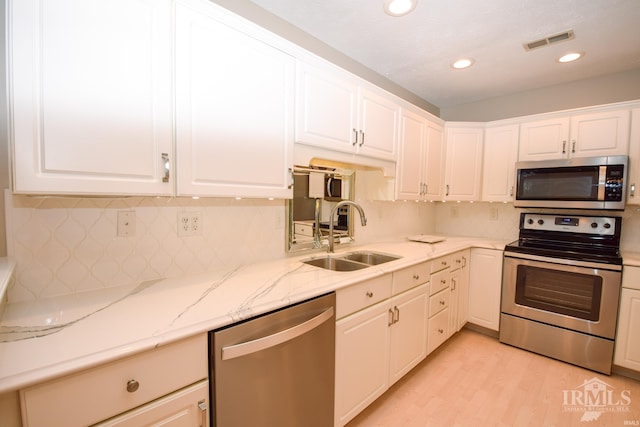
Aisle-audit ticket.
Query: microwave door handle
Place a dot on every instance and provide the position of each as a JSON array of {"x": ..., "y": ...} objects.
[{"x": 329, "y": 187}]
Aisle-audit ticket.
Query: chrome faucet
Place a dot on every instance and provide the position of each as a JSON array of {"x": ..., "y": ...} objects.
[{"x": 363, "y": 218}]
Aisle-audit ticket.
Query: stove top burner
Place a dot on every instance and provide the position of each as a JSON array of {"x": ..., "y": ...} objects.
[{"x": 582, "y": 238}]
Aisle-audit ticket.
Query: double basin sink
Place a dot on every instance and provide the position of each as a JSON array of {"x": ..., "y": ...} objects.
[{"x": 351, "y": 261}]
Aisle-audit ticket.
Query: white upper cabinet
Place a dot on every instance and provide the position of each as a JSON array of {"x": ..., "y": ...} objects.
[
  {"x": 90, "y": 96},
  {"x": 604, "y": 133},
  {"x": 499, "y": 159},
  {"x": 463, "y": 170},
  {"x": 600, "y": 134},
  {"x": 234, "y": 106},
  {"x": 633, "y": 177},
  {"x": 338, "y": 111},
  {"x": 421, "y": 154}
]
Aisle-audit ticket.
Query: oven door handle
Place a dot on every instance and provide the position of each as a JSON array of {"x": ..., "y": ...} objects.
[
  {"x": 254, "y": 346},
  {"x": 564, "y": 261}
]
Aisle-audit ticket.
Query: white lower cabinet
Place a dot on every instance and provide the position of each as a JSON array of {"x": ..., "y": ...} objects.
[
  {"x": 485, "y": 286},
  {"x": 375, "y": 344},
  {"x": 165, "y": 383},
  {"x": 438, "y": 329},
  {"x": 627, "y": 350},
  {"x": 184, "y": 408}
]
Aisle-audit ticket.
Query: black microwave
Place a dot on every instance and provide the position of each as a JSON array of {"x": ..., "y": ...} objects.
[{"x": 579, "y": 183}]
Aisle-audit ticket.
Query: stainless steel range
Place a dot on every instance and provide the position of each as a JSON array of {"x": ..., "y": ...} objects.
[{"x": 561, "y": 288}]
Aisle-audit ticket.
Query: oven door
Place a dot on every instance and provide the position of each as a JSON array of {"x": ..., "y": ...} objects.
[{"x": 574, "y": 297}]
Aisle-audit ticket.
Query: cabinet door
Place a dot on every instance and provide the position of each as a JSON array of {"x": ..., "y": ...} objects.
[
  {"x": 485, "y": 285},
  {"x": 500, "y": 156},
  {"x": 627, "y": 352},
  {"x": 434, "y": 162},
  {"x": 410, "y": 177},
  {"x": 409, "y": 332},
  {"x": 438, "y": 329},
  {"x": 379, "y": 116},
  {"x": 185, "y": 408},
  {"x": 600, "y": 134},
  {"x": 362, "y": 360},
  {"x": 463, "y": 164},
  {"x": 544, "y": 139},
  {"x": 90, "y": 106},
  {"x": 234, "y": 108},
  {"x": 460, "y": 290},
  {"x": 633, "y": 190},
  {"x": 327, "y": 106}
]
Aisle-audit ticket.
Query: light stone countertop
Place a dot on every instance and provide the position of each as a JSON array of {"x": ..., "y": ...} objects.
[{"x": 45, "y": 339}]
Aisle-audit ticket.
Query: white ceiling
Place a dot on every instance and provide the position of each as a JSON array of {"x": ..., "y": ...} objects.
[{"x": 416, "y": 51}]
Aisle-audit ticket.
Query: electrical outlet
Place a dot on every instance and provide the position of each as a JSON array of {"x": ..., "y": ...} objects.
[
  {"x": 126, "y": 224},
  {"x": 454, "y": 212},
  {"x": 189, "y": 224},
  {"x": 493, "y": 214}
]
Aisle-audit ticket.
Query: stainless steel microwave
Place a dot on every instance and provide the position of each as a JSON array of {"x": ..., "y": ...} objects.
[{"x": 579, "y": 183}]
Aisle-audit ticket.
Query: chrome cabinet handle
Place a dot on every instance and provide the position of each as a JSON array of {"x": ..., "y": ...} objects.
[
  {"x": 464, "y": 264},
  {"x": 132, "y": 386},
  {"x": 370, "y": 294},
  {"x": 633, "y": 190},
  {"x": 355, "y": 137},
  {"x": 453, "y": 285},
  {"x": 391, "y": 317},
  {"x": 166, "y": 166},
  {"x": 254, "y": 346},
  {"x": 564, "y": 147},
  {"x": 291, "y": 180},
  {"x": 573, "y": 146},
  {"x": 416, "y": 277},
  {"x": 447, "y": 193},
  {"x": 442, "y": 302},
  {"x": 203, "y": 411},
  {"x": 441, "y": 331},
  {"x": 362, "y": 138},
  {"x": 511, "y": 191}
]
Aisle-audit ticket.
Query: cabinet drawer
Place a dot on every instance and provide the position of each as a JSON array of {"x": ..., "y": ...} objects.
[
  {"x": 631, "y": 277},
  {"x": 95, "y": 394},
  {"x": 440, "y": 263},
  {"x": 458, "y": 260},
  {"x": 411, "y": 277},
  {"x": 440, "y": 281},
  {"x": 438, "y": 330},
  {"x": 362, "y": 295},
  {"x": 303, "y": 229},
  {"x": 438, "y": 302}
]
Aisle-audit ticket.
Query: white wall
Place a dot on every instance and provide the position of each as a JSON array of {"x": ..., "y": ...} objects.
[{"x": 618, "y": 87}]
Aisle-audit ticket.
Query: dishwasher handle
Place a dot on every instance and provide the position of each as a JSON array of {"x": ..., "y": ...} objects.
[{"x": 242, "y": 349}]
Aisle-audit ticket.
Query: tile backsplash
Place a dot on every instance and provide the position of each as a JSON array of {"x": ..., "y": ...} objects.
[{"x": 67, "y": 245}]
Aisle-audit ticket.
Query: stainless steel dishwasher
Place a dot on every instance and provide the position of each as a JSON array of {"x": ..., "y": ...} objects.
[{"x": 275, "y": 370}]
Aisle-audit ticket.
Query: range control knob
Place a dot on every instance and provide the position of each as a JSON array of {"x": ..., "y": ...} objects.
[
  {"x": 594, "y": 225},
  {"x": 607, "y": 225},
  {"x": 541, "y": 221},
  {"x": 529, "y": 221}
]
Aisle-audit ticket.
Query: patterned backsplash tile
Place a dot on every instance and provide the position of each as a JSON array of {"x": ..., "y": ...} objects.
[{"x": 67, "y": 245}]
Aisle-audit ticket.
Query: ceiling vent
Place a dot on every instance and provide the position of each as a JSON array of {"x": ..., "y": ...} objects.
[{"x": 556, "y": 38}]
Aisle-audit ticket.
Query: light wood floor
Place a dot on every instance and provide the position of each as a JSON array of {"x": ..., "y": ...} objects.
[{"x": 474, "y": 380}]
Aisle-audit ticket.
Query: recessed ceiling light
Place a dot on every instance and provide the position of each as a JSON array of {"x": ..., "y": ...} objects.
[
  {"x": 570, "y": 57},
  {"x": 462, "y": 63},
  {"x": 399, "y": 7}
]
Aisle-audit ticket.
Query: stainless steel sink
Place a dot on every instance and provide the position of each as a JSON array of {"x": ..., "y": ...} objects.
[
  {"x": 351, "y": 261},
  {"x": 370, "y": 258},
  {"x": 335, "y": 264}
]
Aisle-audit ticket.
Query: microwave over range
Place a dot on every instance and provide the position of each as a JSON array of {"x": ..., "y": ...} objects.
[{"x": 579, "y": 183}]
